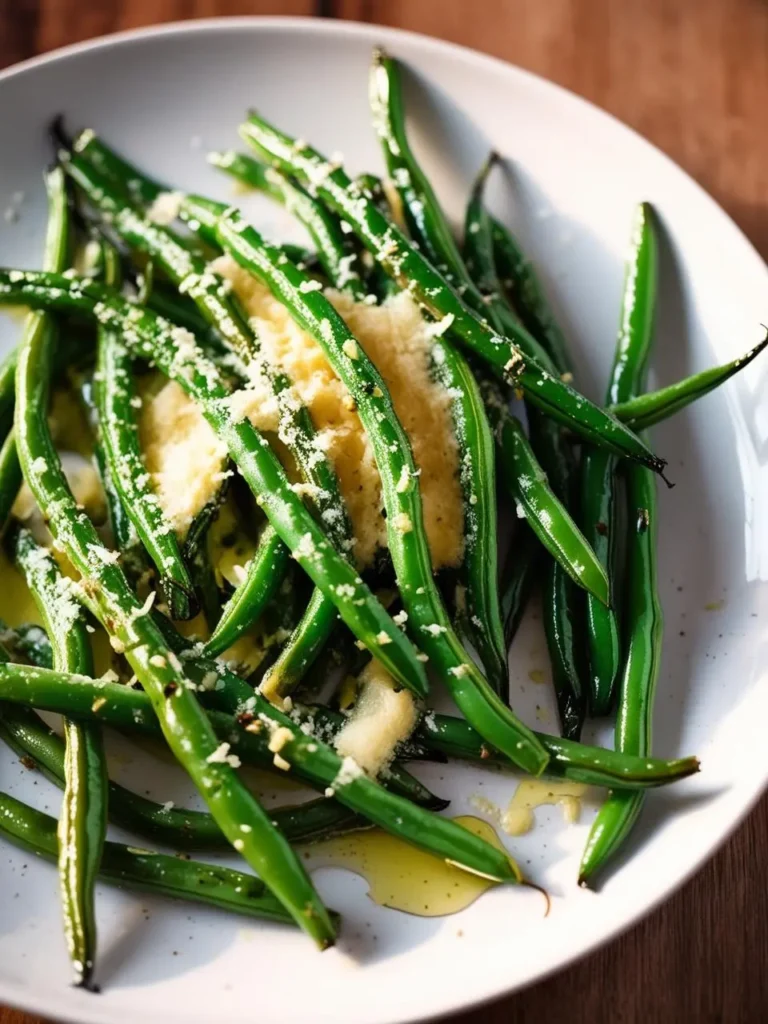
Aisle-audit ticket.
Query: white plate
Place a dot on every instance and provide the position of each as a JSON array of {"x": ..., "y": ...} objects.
[{"x": 163, "y": 96}]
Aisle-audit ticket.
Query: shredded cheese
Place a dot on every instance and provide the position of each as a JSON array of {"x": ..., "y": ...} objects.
[
  {"x": 182, "y": 453},
  {"x": 381, "y": 718},
  {"x": 397, "y": 339}
]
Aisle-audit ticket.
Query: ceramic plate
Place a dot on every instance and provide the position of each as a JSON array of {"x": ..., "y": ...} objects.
[{"x": 163, "y": 97}]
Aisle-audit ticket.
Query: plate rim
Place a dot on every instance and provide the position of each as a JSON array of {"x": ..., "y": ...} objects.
[{"x": 19, "y": 996}]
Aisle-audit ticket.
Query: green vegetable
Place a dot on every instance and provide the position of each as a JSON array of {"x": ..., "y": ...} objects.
[
  {"x": 105, "y": 587},
  {"x": 337, "y": 257},
  {"x": 413, "y": 270},
  {"x": 178, "y": 357},
  {"x": 146, "y": 871},
  {"x": 427, "y": 618},
  {"x": 598, "y": 473}
]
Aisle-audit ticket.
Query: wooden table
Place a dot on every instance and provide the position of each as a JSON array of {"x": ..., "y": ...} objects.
[{"x": 692, "y": 76}]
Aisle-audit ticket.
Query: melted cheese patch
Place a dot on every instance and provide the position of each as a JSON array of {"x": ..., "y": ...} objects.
[
  {"x": 381, "y": 718},
  {"x": 396, "y": 339},
  {"x": 182, "y": 454}
]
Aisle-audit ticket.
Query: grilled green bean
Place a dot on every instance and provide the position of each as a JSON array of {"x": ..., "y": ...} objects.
[
  {"x": 423, "y": 214},
  {"x": 413, "y": 270},
  {"x": 569, "y": 759},
  {"x": 405, "y": 530},
  {"x": 478, "y": 573},
  {"x": 560, "y": 600},
  {"x": 83, "y": 822}
]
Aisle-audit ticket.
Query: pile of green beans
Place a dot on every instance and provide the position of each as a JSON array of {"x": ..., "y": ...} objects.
[{"x": 152, "y": 298}]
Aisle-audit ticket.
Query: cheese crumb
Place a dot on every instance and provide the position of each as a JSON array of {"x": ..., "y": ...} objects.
[
  {"x": 350, "y": 349},
  {"x": 383, "y": 638},
  {"x": 221, "y": 755},
  {"x": 181, "y": 452},
  {"x": 381, "y": 718},
  {"x": 403, "y": 522},
  {"x": 165, "y": 209},
  {"x": 279, "y": 738}
]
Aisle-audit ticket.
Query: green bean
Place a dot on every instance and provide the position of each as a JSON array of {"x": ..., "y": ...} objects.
[
  {"x": 190, "y": 274},
  {"x": 522, "y": 284},
  {"x": 176, "y": 355},
  {"x": 133, "y": 632},
  {"x": 308, "y": 756},
  {"x": 402, "y": 499},
  {"x": 620, "y": 811},
  {"x": 7, "y": 392},
  {"x": 337, "y": 257},
  {"x": 569, "y": 759},
  {"x": 177, "y": 827},
  {"x": 31, "y": 643},
  {"x": 543, "y": 511},
  {"x": 413, "y": 270},
  {"x": 83, "y": 823},
  {"x": 521, "y": 570},
  {"x": 10, "y": 477},
  {"x": 428, "y": 225},
  {"x": 340, "y": 263},
  {"x": 264, "y": 573},
  {"x": 478, "y": 573},
  {"x": 116, "y": 397},
  {"x": 560, "y": 600},
  {"x": 301, "y": 649},
  {"x": 598, "y": 487},
  {"x": 422, "y": 211},
  {"x": 156, "y": 873},
  {"x": 652, "y": 407}
]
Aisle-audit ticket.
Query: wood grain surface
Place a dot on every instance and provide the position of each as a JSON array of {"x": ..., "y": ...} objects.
[{"x": 692, "y": 76}]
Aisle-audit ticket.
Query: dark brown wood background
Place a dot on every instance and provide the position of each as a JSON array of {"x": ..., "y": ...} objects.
[{"x": 691, "y": 75}]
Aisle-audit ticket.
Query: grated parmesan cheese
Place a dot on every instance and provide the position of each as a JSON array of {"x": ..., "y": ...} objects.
[
  {"x": 397, "y": 339},
  {"x": 381, "y": 718},
  {"x": 182, "y": 454}
]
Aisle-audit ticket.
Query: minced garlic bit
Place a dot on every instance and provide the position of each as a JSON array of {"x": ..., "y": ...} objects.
[
  {"x": 394, "y": 336},
  {"x": 281, "y": 763},
  {"x": 221, "y": 755},
  {"x": 381, "y": 718},
  {"x": 98, "y": 704}
]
